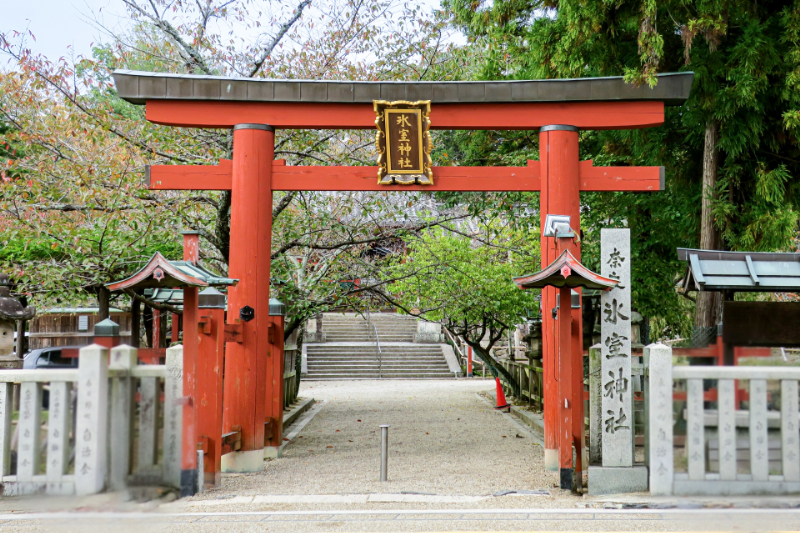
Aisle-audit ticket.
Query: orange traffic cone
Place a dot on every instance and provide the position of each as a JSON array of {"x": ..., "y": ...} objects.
[{"x": 501, "y": 398}]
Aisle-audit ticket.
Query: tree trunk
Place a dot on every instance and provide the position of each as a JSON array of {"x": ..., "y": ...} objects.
[
  {"x": 136, "y": 314},
  {"x": 102, "y": 303},
  {"x": 147, "y": 322},
  {"x": 496, "y": 368},
  {"x": 707, "y": 312}
]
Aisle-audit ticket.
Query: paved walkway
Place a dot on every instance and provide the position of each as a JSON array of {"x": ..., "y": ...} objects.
[{"x": 443, "y": 440}]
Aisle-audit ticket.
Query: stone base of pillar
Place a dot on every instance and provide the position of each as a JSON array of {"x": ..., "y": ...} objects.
[
  {"x": 212, "y": 478},
  {"x": 551, "y": 460},
  {"x": 617, "y": 479},
  {"x": 273, "y": 452},
  {"x": 566, "y": 479},
  {"x": 240, "y": 462},
  {"x": 188, "y": 482}
]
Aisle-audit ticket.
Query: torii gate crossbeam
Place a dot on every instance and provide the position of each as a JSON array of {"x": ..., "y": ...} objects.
[{"x": 255, "y": 108}]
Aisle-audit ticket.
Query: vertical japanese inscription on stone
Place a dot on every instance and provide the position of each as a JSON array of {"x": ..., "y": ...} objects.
[
  {"x": 173, "y": 416},
  {"x": 403, "y": 142},
  {"x": 615, "y": 322},
  {"x": 91, "y": 425}
]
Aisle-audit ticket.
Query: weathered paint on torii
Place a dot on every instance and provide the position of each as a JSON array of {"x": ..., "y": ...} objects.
[{"x": 255, "y": 108}]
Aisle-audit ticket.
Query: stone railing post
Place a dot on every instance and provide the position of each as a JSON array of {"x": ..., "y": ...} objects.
[
  {"x": 173, "y": 416},
  {"x": 658, "y": 394},
  {"x": 6, "y": 412},
  {"x": 123, "y": 358},
  {"x": 91, "y": 432},
  {"x": 29, "y": 446}
]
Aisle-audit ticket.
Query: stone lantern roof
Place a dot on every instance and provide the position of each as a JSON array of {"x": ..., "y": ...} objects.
[{"x": 10, "y": 308}]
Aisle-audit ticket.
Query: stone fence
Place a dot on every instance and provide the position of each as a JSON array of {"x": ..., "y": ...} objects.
[
  {"x": 727, "y": 450},
  {"x": 107, "y": 424}
]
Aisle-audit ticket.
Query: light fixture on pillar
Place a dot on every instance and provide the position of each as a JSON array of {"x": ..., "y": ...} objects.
[{"x": 554, "y": 225}]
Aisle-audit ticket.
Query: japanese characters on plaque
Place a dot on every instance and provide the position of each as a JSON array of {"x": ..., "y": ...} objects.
[
  {"x": 404, "y": 142},
  {"x": 615, "y": 325}
]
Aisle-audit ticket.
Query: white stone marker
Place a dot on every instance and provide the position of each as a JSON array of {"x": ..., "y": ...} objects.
[
  {"x": 91, "y": 428},
  {"x": 30, "y": 421},
  {"x": 759, "y": 454},
  {"x": 173, "y": 416},
  {"x": 726, "y": 424},
  {"x": 790, "y": 444},
  {"x": 123, "y": 358},
  {"x": 148, "y": 432},
  {"x": 6, "y": 410},
  {"x": 615, "y": 340},
  {"x": 658, "y": 360},
  {"x": 58, "y": 422},
  {"x": 695, "y": 428}
]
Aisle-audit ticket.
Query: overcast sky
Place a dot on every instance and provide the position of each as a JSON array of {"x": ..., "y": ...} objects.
[{"x": 62, "y": 27}]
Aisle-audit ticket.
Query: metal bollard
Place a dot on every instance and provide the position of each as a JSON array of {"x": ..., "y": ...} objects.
[
  {"x": 384, "y": 451},
  {"x": 200, "y": 471}
]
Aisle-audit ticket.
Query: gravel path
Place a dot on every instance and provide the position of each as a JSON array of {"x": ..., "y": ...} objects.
[{"x": 443, "y": 439}]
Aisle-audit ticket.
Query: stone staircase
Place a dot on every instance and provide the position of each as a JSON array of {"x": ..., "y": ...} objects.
[{"x": 350, "y": 351}]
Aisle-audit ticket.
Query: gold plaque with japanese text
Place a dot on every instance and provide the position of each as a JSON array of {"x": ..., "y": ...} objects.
[{"x": 404, "y": 142}]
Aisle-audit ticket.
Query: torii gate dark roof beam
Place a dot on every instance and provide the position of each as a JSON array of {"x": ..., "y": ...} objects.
[
  {"x": 137, "y": 87},
  {"x": 221, "y": 102}
]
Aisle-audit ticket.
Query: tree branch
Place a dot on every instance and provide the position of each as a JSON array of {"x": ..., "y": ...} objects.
[{"x": 281, "y": 32}]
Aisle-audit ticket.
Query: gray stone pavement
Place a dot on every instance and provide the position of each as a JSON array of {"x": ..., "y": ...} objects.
[
  {"x": 413, "y": 520},
  {"x": 443, "y": 439},
  {"x": 455, "y": 465}
]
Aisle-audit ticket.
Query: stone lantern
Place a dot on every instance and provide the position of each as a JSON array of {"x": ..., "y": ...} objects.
[{"x": 11, "y": 311}]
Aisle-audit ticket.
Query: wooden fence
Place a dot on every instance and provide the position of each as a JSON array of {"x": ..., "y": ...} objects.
[
  {"x": 291, "y": 377},
  {"x": 529, "y": 378},
  {"x": 104, "y": 426},
  {"x": 712, "y": 435}
]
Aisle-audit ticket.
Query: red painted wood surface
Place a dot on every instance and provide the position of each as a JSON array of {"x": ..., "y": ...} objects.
[
  {"x": 191, "y": 345},
  {"x": 209, "y": 390},
  {"x": 191, "y": 341},
  {"x": 275, "y": 383},
  {"x": 251, "y": 234},
  {"x": 560, "y": 170},
  {"x": 151, "y": 356},
  {"x": 565, "y": 382},
  {"x": 472, "y": 116},
  {"x": 333, "y": 178},
  {"x": 191, "y": 247},
  {"x": 157, "y": 333}
]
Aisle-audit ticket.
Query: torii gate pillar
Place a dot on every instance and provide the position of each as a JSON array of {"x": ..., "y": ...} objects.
[
  {"x": 246, "y": 369},
  {"x": 560, "y": 195}
]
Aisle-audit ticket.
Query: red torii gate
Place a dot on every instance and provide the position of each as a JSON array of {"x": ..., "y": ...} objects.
[{"x": 255, "y": 108}]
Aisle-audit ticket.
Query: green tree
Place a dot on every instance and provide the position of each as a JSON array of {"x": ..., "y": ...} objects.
[
  {"x": 463, "y": 281},
  {"x": 731, "y": 151},
  {"x": 84, "y": 217}
]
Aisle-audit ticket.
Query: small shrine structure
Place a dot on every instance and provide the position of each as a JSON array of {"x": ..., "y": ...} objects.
[
  {"x": 566, "y": 273},
  {"x": 746, "y": 326},
  {"x": 161, "y": 273}
]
